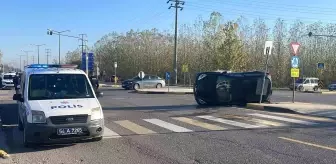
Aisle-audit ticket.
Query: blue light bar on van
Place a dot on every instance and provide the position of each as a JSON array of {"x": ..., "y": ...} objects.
[{"x": 52, "y": 66}]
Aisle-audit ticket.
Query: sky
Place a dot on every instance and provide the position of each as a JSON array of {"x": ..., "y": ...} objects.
[{"x": 25, "y": 22}]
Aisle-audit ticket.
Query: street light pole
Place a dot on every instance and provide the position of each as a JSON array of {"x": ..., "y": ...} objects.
[
  {"x": 27, "y": 55},
  {"x": 20, "y": 62},
  {"x": 59, "y": 33},
  {"x": 38, "y": 51}
]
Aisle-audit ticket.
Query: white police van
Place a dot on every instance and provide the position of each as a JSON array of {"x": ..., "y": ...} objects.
[{"x": 57, "y": 104}]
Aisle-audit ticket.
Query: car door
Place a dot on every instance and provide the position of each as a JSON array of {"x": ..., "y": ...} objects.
[
  {"x": 22, "y": 105},
  {"x": 145, "y": 82},
  {"x": 154, "y": 81}
]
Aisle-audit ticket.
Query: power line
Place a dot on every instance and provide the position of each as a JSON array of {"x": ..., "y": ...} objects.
[{"x": 178, "y": 5}]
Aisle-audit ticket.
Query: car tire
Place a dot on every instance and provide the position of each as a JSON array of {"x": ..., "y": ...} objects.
[
  {"x": 136, "y": 86},
  {"x": 315, "y": 89},
  {"x": 201, "y": 102},
  {"x": 301, "y": 88},
  {"x": 159, "y": 85},
  {"x": 96, "y": 139}
]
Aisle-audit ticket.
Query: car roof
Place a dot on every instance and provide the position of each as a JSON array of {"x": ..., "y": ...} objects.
[{"x": 29, "y": 71}]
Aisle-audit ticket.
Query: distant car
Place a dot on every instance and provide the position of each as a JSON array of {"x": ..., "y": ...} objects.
[
  {"x": 149, "y": 81},
  {"x": 332, "y": 86},
  {"x": 7, "y": 80},
  {"x": 306, "y": 84},
  {"x": 215, "y": 88}
]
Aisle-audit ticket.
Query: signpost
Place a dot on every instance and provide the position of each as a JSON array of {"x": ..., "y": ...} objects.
[
  {"x": 141, "y": 75},
  {"x": 267, "y": 52},
  {"x": 320, "y": 66},
  {"x": 295, "y": 71},
  {"x": 185, "y": 69},
  {"x": 115, "y": 72},
  {"x": 168, "y": 78},
  {"x": 87, "y": 62}
]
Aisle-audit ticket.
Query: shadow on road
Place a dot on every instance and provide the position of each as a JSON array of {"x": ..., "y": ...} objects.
[{"x": 8, "y": 113}]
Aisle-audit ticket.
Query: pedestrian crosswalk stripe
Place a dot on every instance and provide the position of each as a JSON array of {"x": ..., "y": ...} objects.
[
  {"x": 266, "y": 122},
  {"x": 283, "y": 119},
  {"x": 306, "y": 117},
  {"x": 134, "y": 127},
  {"x": 230, "y": 122},
  {"x": 167, "y": 125},
  {"x": 110, "y": 134},
  {"x": 198, "y": 123}
]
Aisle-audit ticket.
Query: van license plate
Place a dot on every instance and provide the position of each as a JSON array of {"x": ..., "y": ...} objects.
[{"x": 68, "y": 131}]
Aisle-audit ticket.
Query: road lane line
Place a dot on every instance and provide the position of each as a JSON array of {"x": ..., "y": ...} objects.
[
  {"x": 198, "y": 123},
  {"x": 283, "y": 119},
  {"x": 306, "y": 117},
  {"x": 307, "y": 143},
  {"x": 110, "y": 134},
  {"x": 230, "y": 122},
  {"x": 134, "y": 127},
  {"x": 168, "y": 125}
]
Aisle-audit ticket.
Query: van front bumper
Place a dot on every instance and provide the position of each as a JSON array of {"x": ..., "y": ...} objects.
[{"x": 47, "y": 133}]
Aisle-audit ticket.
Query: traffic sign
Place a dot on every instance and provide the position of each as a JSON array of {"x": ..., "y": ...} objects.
[
  {"x": 115, "y": 64},
  {"x": 141, "y": 74},
  {"x": 185, "y": 68},
  {"x": 295, "y": 48},
  {"x": 90, "y": 61},
  {"x": 268, "y": 48},
  {"x": 167, "y": 75},
  {"x": 295, "y": 72},
  {"x": 295, "y": 62},
  {"x": 320, "y": 65}
]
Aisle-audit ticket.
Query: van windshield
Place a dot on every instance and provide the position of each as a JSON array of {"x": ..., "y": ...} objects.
[{"x": 59, "y": 86}]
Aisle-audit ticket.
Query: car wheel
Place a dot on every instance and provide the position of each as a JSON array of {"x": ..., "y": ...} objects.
[
  {"x": 301, "y": 88},
  {"x": 200, "y": 101},
  {"x": 97, "y": 139},
  {"x": 315, "y": 89},
  {"x": 159, "y": 85},
  {"x": 136, "y": 86}
]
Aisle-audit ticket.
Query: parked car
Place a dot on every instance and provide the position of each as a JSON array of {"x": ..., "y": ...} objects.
[
  {"x": 215, "y": 88},
  {"x": 306, "y": 84},
  {"x": 149, "y": 81},
  {"x": 332, "y": 86}
]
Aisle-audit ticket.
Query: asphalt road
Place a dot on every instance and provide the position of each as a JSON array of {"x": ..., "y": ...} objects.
[
  {"x": 154, "y": 129},
  {"x": 286, "y": 96}
]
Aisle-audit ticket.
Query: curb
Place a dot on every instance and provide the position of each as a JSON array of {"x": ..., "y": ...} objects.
[
  {"x": 105, "y": 86},
  {"x": 162, "y": 92},
  {"x": 269, "y": 108},
  {"x": 3, "y": 154}
]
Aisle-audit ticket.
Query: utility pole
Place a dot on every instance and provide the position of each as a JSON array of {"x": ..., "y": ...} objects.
[
  {"x": 20, "y": 62},
  {"x": 47, "y": 51},
  {"x": 38, "y": 51},
  {"x": 33, "y": 57},
  {"x": 27, "y": 56},
  {"x": 83, "y": 45},
  {"x": 177, "y": 5}
]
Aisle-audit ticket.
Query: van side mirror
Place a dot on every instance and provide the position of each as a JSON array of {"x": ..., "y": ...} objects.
[{"x": 18, "y": 97}]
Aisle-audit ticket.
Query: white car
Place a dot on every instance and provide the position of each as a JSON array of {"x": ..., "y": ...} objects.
[
  {"x": 7, "y": 80},
  {"x": 57, "y": 104}
]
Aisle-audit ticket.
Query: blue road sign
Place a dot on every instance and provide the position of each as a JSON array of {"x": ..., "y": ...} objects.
[
  {"x": 320, "y": 65},
  {"x": 167, "y": 75},
  {"x": 295, "y": 62},
  {"x": 90, "y": 61}
]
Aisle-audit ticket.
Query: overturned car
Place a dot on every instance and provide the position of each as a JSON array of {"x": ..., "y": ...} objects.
[{"x": 231, "y": 88}]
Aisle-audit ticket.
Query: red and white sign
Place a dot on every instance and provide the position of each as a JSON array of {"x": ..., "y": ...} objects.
[{"x": 295, "y": 47}]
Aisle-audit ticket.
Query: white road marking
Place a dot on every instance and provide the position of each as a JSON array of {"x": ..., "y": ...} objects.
[
  {"x": 283, "y": 119},
  {"x": 230, "y": 122},
  {"x": 168, "y": 125},
  {"x": 110, "y": 134}
]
